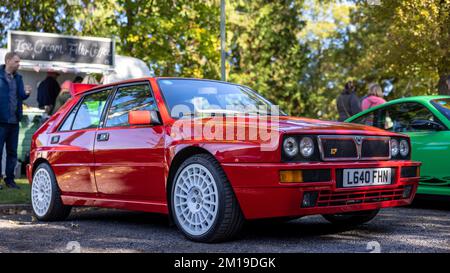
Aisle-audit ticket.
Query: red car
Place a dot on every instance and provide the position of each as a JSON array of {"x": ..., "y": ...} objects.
[{"x": 210, "y": 154}]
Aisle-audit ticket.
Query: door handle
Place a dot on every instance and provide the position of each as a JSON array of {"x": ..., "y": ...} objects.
[{"x": 103, "y": 137}]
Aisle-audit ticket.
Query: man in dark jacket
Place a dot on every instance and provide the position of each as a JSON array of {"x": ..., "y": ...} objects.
[
  {"x": 48, "y": 91},
  {"x": 12, "y": 93},
  {"x": 348, "y": 103}
]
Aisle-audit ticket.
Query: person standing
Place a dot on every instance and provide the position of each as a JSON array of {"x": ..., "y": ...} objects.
[
  {"x": 63, "y": 96},
  {"x": 12, "y": 93},
  {"x": 48, "y": 91},
  {"x": 348, "y": 102},
  {"x": 373, "y": 98}
]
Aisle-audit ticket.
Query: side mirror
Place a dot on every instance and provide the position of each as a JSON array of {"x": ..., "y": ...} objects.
[
  {"x": 143, "y": 118},
  {"x": 423, "y": 124}
]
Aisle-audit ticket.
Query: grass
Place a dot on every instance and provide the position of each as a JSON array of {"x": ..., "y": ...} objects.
[{"x": 14, "y": 196}]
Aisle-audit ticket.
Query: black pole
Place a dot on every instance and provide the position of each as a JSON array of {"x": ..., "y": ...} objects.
[{"x": 222, "y": 40}]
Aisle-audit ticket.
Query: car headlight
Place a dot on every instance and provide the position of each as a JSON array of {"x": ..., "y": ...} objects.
[
  {"x": 404, "y": 148},
  {"x": 394, "y": 147},
  {"x": 290, "y": 147},
  {"x": 306, "y": 147}
]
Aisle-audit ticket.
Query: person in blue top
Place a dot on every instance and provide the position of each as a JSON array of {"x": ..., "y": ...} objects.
[{"x": 12, "y": 93}]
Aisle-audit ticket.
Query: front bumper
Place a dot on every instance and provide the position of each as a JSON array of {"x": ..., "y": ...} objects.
[{"x": 261, "y": 195}]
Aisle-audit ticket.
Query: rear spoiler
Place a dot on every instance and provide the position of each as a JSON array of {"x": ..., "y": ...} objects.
[{"x": 78, "y": 88}]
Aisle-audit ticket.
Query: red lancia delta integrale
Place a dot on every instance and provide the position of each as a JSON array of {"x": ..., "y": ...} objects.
[{"x": 211, "y": 155}]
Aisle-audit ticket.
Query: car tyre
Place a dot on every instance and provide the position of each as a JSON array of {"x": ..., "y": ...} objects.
[
  {"x": 46, "y": 196},
  {"x": 203, "y": 204}
]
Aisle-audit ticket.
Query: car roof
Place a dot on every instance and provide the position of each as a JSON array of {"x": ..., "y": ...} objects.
[{"x": 101, "y": 86}]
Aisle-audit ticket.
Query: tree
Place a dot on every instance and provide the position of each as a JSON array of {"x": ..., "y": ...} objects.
[
  {"x": 264, "y": 50},
  {"x": 326, "y": 72},
  {"x": 176, "y": 37},
  {"x": 29, "y": 15},
  {"x": 406, "y": 42}
]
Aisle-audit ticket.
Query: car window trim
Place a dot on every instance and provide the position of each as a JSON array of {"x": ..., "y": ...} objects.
[
  {"x": 66, "y": 117},
  {"x": 416, "y": 102},
  {"x": 113, "y": 95},
  {"x": 83, "y": 97},
  {"x": 384, "y": 106},
  {"x": 443, "y": 116}
]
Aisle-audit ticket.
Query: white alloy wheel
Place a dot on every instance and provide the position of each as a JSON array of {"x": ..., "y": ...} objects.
[
  {"x": 196, "y": 199},
  {"x": 41, "y": 192}
]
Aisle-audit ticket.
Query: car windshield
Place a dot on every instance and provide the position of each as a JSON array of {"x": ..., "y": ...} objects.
[
  {"x": 443, "y": 105},
  {"x": 185, "y": 97}
]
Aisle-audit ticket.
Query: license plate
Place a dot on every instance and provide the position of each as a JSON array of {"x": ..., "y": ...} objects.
[{"x": 366, "y": 177}]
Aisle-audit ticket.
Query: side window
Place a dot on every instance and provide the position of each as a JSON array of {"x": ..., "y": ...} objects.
[
  {"x": 90, "y": 111},
  {"x": 379, "y": 118},
  {"x": 67, "y": 125},
  {"x": 398, "y": 117},
  {"x": 129, "y": 98},
  {"x": 367, "y": 119}
]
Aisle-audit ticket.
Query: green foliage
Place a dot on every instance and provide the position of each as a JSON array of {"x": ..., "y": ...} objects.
[
  {"x": 176, "y": 37},
  {"x": 297, "y": 53},
  {"x": 326, "y": 72},
  {"x": 265, "y": 53},
  {"x": 407, "y": 42}
]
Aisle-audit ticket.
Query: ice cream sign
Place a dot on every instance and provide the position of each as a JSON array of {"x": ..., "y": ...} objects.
[{"x": 54, "y": 48}]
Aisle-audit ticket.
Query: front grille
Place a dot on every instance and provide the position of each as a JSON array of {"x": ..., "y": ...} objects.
[
  {"x": 329, "y": 198},
  {"x": 375, "y": 148},
  {"x": 340, "y": 148}
]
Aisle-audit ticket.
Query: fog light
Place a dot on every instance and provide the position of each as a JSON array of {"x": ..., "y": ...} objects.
[
  {"x": 407, "y": 191},
  {"x": 291, "y": 176},
  {"x": 309, "y": 199}
]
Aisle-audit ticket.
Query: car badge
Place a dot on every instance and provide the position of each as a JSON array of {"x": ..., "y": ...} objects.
[
  {"x": 358, "y": 140},
  {"x": 334, "y": 151}
]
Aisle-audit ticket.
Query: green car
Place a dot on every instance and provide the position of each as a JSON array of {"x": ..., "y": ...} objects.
[{"x": 426, "y": 119}]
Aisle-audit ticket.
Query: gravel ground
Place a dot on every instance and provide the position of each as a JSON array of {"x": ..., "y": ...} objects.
[{"x": 423, "y": 227}]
